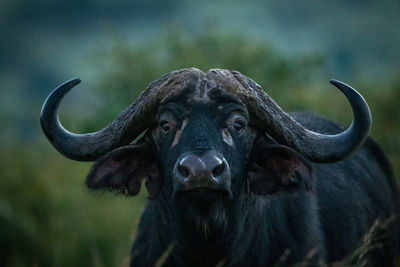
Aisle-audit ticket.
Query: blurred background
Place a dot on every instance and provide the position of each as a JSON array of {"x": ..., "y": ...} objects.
[{"x": 292, "y": 49}]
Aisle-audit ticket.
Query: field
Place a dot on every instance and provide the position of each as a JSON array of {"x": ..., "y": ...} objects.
[{"x": 49, "y": 218}]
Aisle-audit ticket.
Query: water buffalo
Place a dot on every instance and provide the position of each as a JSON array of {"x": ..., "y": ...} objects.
[{"x": 232, "y": 179}]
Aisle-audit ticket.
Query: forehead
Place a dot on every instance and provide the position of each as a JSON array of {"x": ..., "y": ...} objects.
[{"x": 203, "y": 88}]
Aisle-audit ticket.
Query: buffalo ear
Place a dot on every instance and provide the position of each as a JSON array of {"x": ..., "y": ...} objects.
[
  {"x": 275, "y": 167},
  {"x": 123, "y": 169}
]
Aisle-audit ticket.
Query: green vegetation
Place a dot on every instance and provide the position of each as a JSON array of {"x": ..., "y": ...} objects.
[{"x": 49, "y": 218}]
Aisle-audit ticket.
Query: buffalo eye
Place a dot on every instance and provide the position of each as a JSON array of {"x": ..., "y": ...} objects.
[
  {"x": 238, "y": 125},
  {"x": 235, "y": 118},
  {"x": 165, "y": 127},
  {"x": 236, "y": 122}
]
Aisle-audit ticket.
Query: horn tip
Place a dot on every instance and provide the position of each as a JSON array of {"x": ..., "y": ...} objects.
[
  {"x": 340, "y": 84},
  {"x": 67, "y": 86},
  {"x": 335, "y": 82},
  {"x": 74, "y": 81}
]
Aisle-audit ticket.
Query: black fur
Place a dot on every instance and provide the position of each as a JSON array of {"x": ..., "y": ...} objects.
[{"x": 320, "y": 217}]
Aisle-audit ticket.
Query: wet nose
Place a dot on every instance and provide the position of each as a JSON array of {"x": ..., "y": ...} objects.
[{"x": 208, "y": 170}]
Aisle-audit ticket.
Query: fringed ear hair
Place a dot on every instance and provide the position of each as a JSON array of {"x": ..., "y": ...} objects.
[
  {"x": 123, "y": 170},
  {"x": 275, "y": 167}
]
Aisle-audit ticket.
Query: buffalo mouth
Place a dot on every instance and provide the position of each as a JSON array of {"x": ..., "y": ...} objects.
[
  {"x": 203, "y": 202},
  {"x": 204, "y": 194}
]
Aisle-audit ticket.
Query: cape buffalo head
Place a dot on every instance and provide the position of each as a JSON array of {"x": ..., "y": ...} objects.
[{"x": 209, "y": 137}]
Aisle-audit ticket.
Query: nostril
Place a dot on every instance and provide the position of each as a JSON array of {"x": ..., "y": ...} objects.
[
  {"x": 217, "y": 171},
  {"x": 183, "y": 171}
]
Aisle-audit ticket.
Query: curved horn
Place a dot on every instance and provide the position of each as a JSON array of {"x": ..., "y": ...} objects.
[
  {"x": 139, "y": 116},
  {"x": 269, "y": 117}
]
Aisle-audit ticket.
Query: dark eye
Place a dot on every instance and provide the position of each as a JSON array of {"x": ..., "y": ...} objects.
[
  {"x": 165, "y": 127},
  {"x": 238, "y": 125}
]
